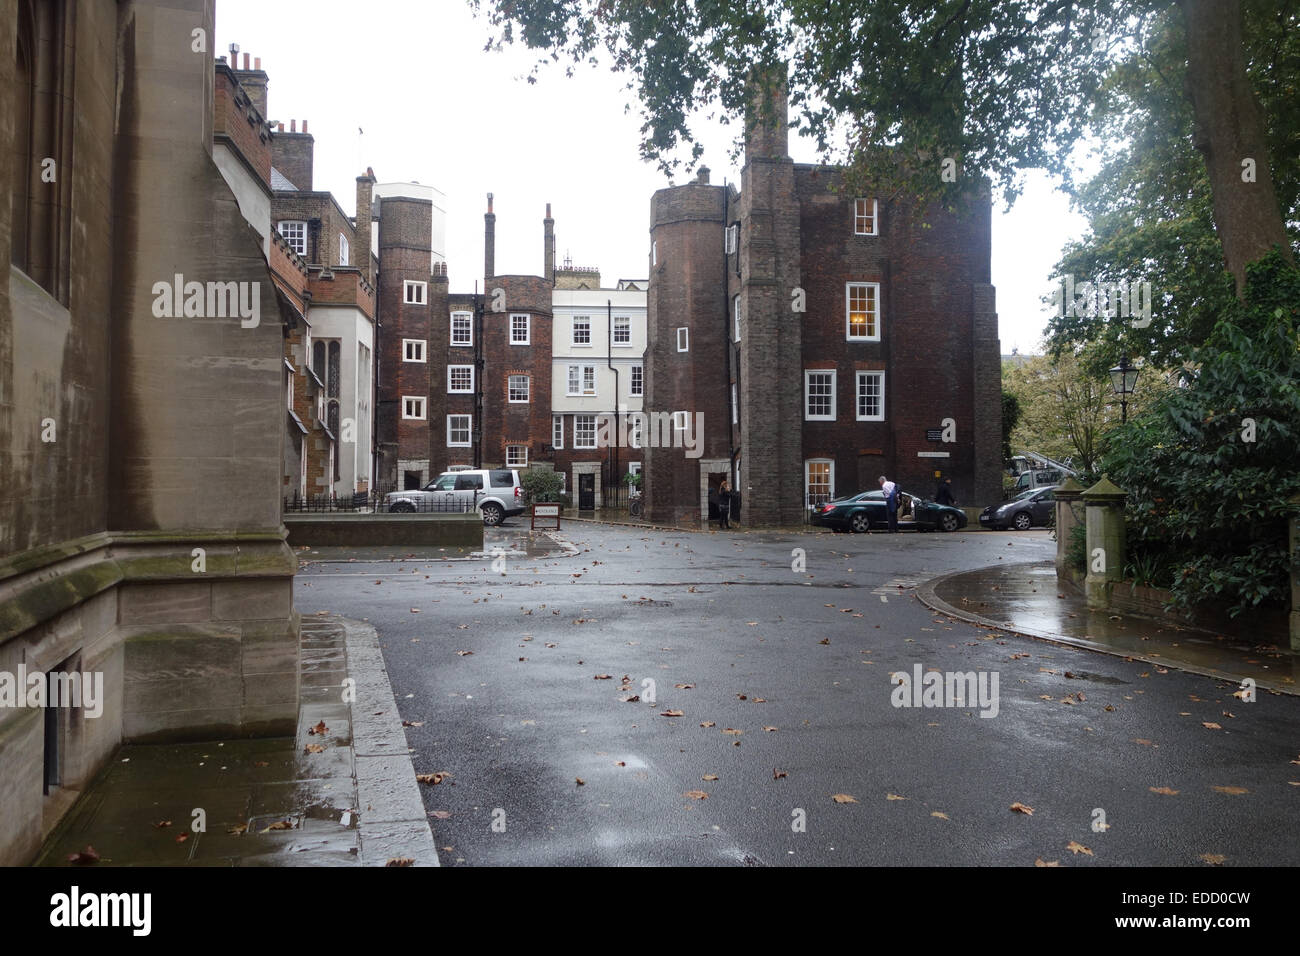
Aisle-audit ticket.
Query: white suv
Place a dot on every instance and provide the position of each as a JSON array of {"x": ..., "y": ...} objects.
[{"x": 495, "y": 492}]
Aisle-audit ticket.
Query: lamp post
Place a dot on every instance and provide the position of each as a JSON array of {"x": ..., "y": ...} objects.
[{"x": 1123, "y": 379}]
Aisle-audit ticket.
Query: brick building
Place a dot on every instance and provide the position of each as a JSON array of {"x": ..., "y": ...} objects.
[{"x": 896, "y": 344}]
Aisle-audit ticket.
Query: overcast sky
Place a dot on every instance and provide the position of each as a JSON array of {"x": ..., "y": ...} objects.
[{"x": 439, "y": 110}]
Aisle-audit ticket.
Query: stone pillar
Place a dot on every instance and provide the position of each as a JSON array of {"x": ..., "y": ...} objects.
[
  {"x": 1295, "y": 578},
  {"x": 1105, "y": 553},
  {"x": 1068, "y": 516}
]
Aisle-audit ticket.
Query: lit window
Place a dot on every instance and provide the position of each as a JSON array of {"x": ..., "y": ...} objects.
[
  {"x": 582, "y": 330},
  {"x": 683, "y": 340},
  {"x": 584, "y": 431},
  {"x": 819, "y": 481},
  {"x": 819, "y": 396},
  {"x": 517, "y": 387},
  {"x": 295, "y": 234},
  {"x": 413, "y": 350},
  {"x": 462, "y": 328},
  {"x": 871, "y": 396},
  {"x": 344, "y": 251},
  {"x": 862, "y": 319},
  {"x": 516, "y": 456},
  {"x": 622, "y": 330},
  {"x": 519, "y": 330},
  {"x": 412, "y": 407},
  {"x": 557, "y": 431},
  {"x": 414, "y": 293},
  {"x": 458, "y": 431},
  {"x": 460, "y": 378},
  {"x": 637, "y": 386},
  {"x": 864, "y": 217}
]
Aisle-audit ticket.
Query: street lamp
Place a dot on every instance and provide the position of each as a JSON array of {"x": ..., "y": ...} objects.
[{"x": 1123, "y": 379}]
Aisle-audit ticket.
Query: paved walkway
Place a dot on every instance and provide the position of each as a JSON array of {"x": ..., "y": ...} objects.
[
  {"x": 346, "y": 796},
  {"x": 1027, "y": 599}
]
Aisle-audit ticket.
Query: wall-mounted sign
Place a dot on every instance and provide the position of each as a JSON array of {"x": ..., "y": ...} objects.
[
  {"x": 932, "y": 454},
  {"x": 934, "y": 434}
]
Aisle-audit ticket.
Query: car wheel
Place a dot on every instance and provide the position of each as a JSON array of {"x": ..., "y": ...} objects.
[
  {"x": 948, "y": 522},
  {"x": 1023, "y": 521},
  {"x": 492, "y": 515},
  {"x": 860, "y": 523},
  {"x": 401, "y": 507}
]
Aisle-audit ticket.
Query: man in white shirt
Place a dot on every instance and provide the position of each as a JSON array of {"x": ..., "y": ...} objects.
[{"x": 891, "y": 502}]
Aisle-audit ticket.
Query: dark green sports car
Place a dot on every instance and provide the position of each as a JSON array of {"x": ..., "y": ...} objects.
[{"x": 866, "y": 512}]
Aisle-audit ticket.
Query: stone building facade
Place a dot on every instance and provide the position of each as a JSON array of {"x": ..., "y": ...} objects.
[
  {"x": 819, "y": 339},
  {"x": 142, "y": 415}
]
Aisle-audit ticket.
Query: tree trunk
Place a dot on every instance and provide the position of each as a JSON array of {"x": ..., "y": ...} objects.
[{"x": 1229, "y": 131}]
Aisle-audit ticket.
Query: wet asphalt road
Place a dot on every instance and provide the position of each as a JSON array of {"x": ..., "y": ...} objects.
[{"x": 520, "y": 718}]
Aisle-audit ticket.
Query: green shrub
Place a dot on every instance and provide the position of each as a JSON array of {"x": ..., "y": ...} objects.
[
  {"x": 1076, "y": 549},
  {"x": 1208, "y": 508},
  {"x": 541, "y": 484}
]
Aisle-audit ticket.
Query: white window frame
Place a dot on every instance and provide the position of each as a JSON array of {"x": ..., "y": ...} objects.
[
  {"x": 633, "y": 380},
  {"x": 577, "y": 344},
  {"x": 830, "y": 477},
  {"x": 345, "y": 249},
  {"x": 527, "y": 389},
  {"x": 413, "y": 350},
  {"x": 516, "y": 462},
  {"x": 468, "y": 317},
  {"x": 416, "y": 403},
  {"x": 451, "y": 389},
  {"x": 637, "y": 439},
  {"x": 683, "y": 339},
  {"x": 579, "y": 422},
  {"x": 528, "y": 328},
  {"x": 582, "y": 380},
  {"x": 468, "y": 429},
  {"x": 735, "y": 318},
  {"x": 626, "y": 328},
  {"x": 557, "y": 432},
  {"x": 414, "y": 293},
  {"x": 298, "y": 241},
  {"x": 857, "y": 396},
  {"x": 848, "y": 312},
  {"x": 875, "y": 218},
  {"x": 731, "y": 239},
  {"x": 654, "y": 253},
  {"x": 808, "y": 416},
  {"x": 735, "y": 407}
]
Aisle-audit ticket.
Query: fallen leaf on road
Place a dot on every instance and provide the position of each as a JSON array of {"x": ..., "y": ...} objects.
[
  {"x": 1021, "y": 808},
  {"x": 770, "y": 729},
  {"x": 579, "y": 781},
  {"x": 85, "y": 857},
  {"x": 161, "y": 824},
  {"x": 708, "y": 723},
  {"x": 1076, "y": 848},
  {"x": 400, "y": 861},
  {"x": 671, "y": 713},
  {"x": 182, "y": 837},
  {"x": 1143, "y": 741},
  {"x": 1165, "y": 790},
  {"x": 313, "y": 749},
  {"x": 415, "y": 610},
  {"x": 684, "y": 686},
  {"x": 824, "y": 640},
  {"x": 778, "y": 774},
  {"x": 697, "y": 794},
  {"x": 941, "y": 816},
  {"x": 602, "y": 677},
  {"x": 319, "y": 729},
  {"x": 1214, "y": 859},
  {"x": 464, "y": 653},
  {"x": 1040, "y": 861},
  {"x": 758, "y": 700},
  {"x": 412, "y": 723},
  {"x": 631, "y": 700},
  {"x": 433, "y": 779},
  {"x": 278, "y": 825},
  {"x": 238, "y": 830},
  {"x": 1211, "y": 725},
  {"x": 894, "y": 796},
  {"x": 709, "y": 777},
  {"x": 440, "y": 814},
  {"x": 843, "y": 798},
  {"x": 733, "y": 731},
  {"x": 1232, "y": 790}
]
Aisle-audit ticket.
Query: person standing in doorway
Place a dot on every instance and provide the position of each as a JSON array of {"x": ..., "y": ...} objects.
[
  {"x": 891, "y": 503},
  {"x": 724, "y": 504}
]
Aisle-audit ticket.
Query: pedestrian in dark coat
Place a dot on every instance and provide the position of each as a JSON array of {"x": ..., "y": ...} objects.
[
  {"x": 724, "y": 503},
  {"x": 944, "y": 495}
]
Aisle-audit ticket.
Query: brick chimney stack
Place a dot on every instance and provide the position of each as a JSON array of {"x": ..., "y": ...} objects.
[
  {"x": 293, "y": 153},
  {"x": 489, "y": 241},
  {"x": 253, "y": 81},
  {"x": 365, "y": 197},
  {"x": 548, "y": 246}
]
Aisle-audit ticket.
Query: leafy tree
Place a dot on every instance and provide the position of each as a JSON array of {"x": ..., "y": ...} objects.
[
  {"x": 999, "y": 86},
  {"x": 1010, "y": 417},
  {"x": 1150, "y": 208},
  {"x": 1210, "y": 468}
]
